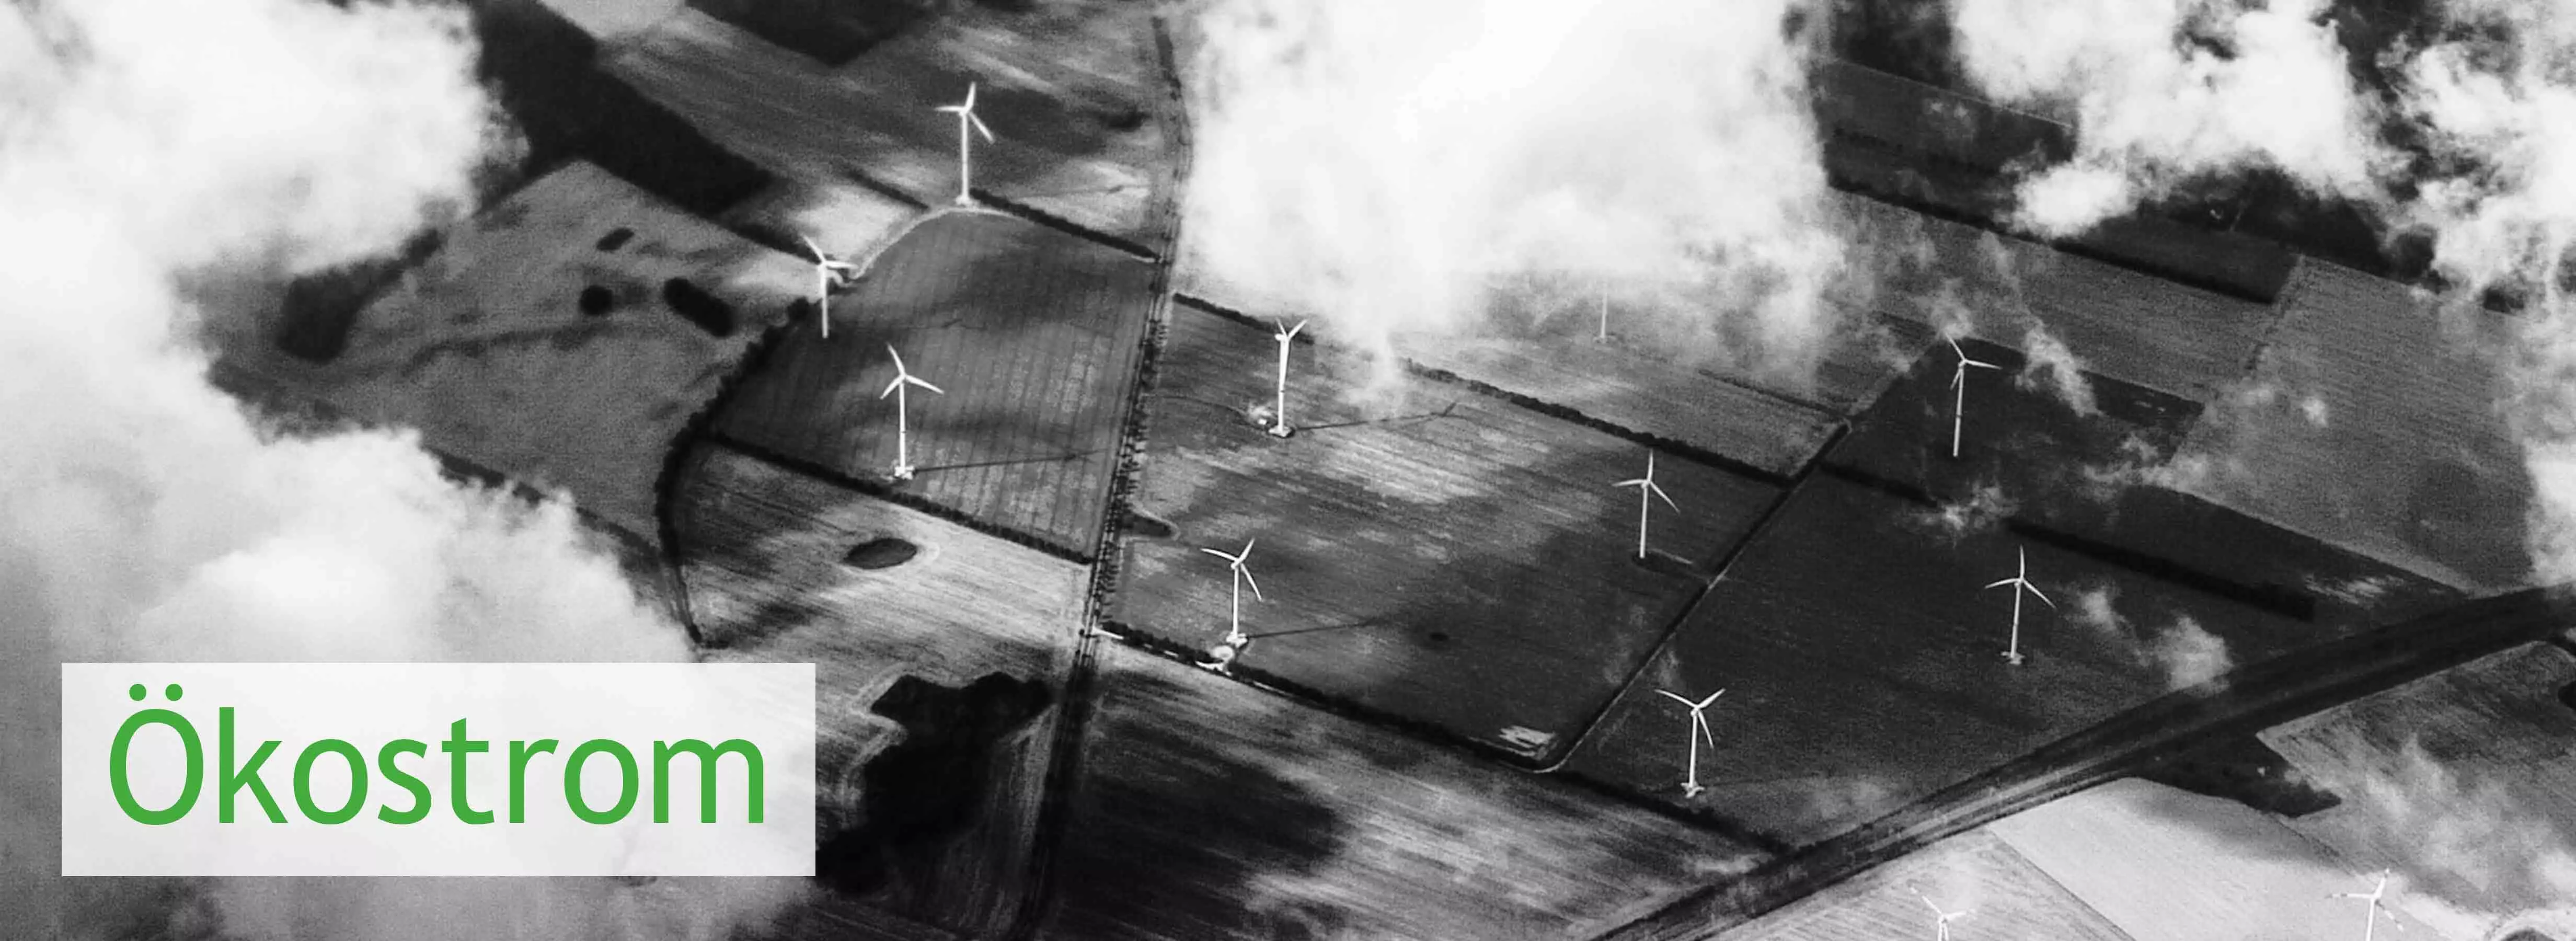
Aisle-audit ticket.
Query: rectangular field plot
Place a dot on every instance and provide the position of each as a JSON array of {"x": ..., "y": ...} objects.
[
  {"x": 1863, "y": 669},
  {"x": 1206, "y": 809},
  {"x": 2462, "y": 781},
  {"x": 2372, "y": 423},
  {"x": 2096, "y": 483},
  {"x": 1032, "y": 336},
  {"x": 1467, "y": 564},
  {"x": 938, "y": 673},
  {"x": 1078, "y": 133},
  {"x": 2005, "y": 897},
  {"x": 2134, "y": 327}
]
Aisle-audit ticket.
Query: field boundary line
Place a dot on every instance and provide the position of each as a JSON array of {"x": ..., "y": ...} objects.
[
  {"x": 1064, "y": 755},
  {"x": 880, "y": 491}
]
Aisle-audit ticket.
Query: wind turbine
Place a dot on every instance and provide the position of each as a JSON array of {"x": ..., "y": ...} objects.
[
  {"x": 965, "y": 119},
  {"x": 1604, "y": 335},
  {"x": 1234, "y": 638},
  {"x": 1959, "y": 391},
  {"x": 1646, "y": 490},
  {"x": 1940, "y": 919},
  {"x": 824, "y": 269},
  {"x": 1699, "y": 730},
  {"x": 2370, "y": 929},
  {"x": 1279, "y": 416},
  {"x": 2020, "y": 583},
  {"x": 902, "y": 430}
]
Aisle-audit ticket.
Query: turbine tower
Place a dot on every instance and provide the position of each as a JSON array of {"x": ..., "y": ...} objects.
[
  {"x": 825, "y": 269},
  {"x": 1647, "y": 490},
  {"x": 2370, "y": 928},
  {"x": 902, "y": 425},
  {"x": 1940, "y": 919},
  {"x": 1959, "y": 391},
  {"x": 1234, "y": 638},
  {"x": 2020, "y": 582},
  {"x": 966, "y": 120},
  {"x": 1699, "y": 730},
  {"x": 1279, "y": 414}
]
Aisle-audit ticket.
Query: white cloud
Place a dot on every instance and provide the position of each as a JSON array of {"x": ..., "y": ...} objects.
[
  {"x": 2158, "y": 106},
  {"x": 1386, "y": 164},
  {"x": 147, "y": 518}
]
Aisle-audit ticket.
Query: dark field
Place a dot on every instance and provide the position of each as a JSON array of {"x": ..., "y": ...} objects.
[
  {"x": 2094, "y": 484},
  {"x": 943, "y": 670},
  {"x": 1465, "y": 564},
  {"x": 1863, "y": 666},
  {"x": 1071, "y": 91},
  {"x": 1033, "y": 334},
  {"x": 1206, "y": 809}
]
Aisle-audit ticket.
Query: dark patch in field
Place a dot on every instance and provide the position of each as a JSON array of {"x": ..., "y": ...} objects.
[
  {"x": 831, "y": 32},
  {"x": 1144, "y": 526},
  {"x": 321, "y": 308},
  {"x": 709, "y": 312},
  {"x": 545, "y": 70},
  {"x": 2244, "y": 770},
  {"x": 616, "y": 239},
  {"x": 924, "y": 790},
  {"x": 881, "y": 553},
  {"x": 597, "y": 301},
  {"x": 1175, "y": 828}
]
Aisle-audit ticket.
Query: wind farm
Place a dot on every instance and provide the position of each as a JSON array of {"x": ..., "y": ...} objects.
[{"x": 1435, "y": 690}]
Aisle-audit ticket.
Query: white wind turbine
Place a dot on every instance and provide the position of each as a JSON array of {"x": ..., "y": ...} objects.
[
  {"x": 1647, "y": 489},
  {"x": 825, "y": 268},
  {"x": 1234, "y": 638},
  {"x": 1699, "y": 730},
  {"x": 966, "y": 119},
  {"x": 902, "y": 424},
  {"x": 2371, "y": 928},
  {"x": 1940, "y": 919},
  {"x": 1604, "y": 335},
  {"x": 1959, "y": 391},
  {"x": 1279, "y": 415},
  {"x": 2020, "y": 583}
]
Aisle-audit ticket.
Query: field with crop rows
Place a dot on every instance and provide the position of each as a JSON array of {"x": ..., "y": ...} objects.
[
  {"x": 1863, "y": 666},
  {"x": 764, "y": 555},
  {"x": 1463, "y": 562},
  {"x": 1207, "y": 809},
  {"x": 1032, "y": 336}
]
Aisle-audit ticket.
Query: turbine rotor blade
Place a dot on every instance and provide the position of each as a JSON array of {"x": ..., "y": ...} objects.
[
  {"x": 898, "y": 360},
  {"x": 1712, "y": 697},
  {"x": 979, "y": 126},
  {"x": 2000, "y": 584},
  {"x": 1659, "y": 491},
  {"x": 1676, "y": 697},
  {"x": 970, "y": 96},
  {"x": 1639, "y": 482},
  {"x": 1218, "y": 554},
  {"x": 816, "y": 249},
  {"x": 2041, "y": 595},
  {"x": 917, "y": 381},
  {"x": 1954, "y": 347},
  {"x": 891, "y": 386},
  {"x": 1247, "y": 580}
]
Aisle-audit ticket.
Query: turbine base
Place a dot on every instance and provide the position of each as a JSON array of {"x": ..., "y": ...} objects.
[
  {"x": 901, "y": 472},
  {"x": 1280, "y": 429}
]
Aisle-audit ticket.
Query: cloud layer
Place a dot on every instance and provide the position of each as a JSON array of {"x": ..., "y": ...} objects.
[
  {"x": 148, "y": 518},
  {"x": 1392, "y": 166}
]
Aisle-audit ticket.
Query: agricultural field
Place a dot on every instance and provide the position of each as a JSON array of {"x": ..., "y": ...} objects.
[
  {"x": 1206, "y": 809},
  {"x": 2462, "y": 782},
  {"x": 542, "y": 340},
  {"x": 1032, "y": 337},
  {"x": 1653, "y": 377},
  {"x": 2119, "y": 323},
  {"x": 2003, "y": 895},
  {"x": 939, "y": 660},
  {"x": 2370, "y": 423},
  {"x": 1863, "y": 669},
  {"x": 2028, "y": 461},
  {"x": 1071, "y": 91},
  {"x": 2165, "y": 865},
  {"x": 1449, "y": 558}
]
